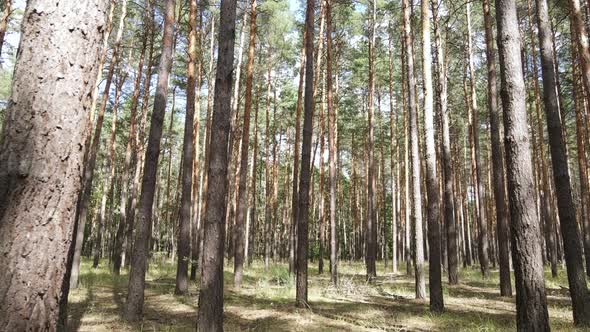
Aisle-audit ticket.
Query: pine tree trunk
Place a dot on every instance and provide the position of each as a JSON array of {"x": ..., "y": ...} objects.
[
  {"x": 242, "y": 191},
  {"x": 184, "y": 222},
  {"x": 415, "y": 155},
  {"x": 304, "y": 181},
  {"x": 502, "y": 216},
  {"x": 371, "y": 223},
  {"x": 476, "y": 160},
  {"x": 91, "y": 152},
  {"x": 393, "y": 145},
  {"x": 433, "y": 198},
  {"x": 210, "y": 316},
  {"x": 50, "y": 184},
  {"x": 531, "y": 302},
  {"x": 135, "y": 294},
  {"x": 109, "y": 177},
  {"x": 6, "y": 11},
  {"x": 130, "y": 154},
  {"x": 331, "y": 146},
  {"x": 565, "y": 203}
]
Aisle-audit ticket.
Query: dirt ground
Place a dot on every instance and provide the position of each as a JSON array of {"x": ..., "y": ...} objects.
[{"x": 266, "y": 302}]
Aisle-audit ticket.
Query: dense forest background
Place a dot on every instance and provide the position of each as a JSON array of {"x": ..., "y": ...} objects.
[{"x": 406, "y": 150}]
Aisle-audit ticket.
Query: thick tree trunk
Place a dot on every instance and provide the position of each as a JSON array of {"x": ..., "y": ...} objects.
[
  {"x": 243, "y": 186},
  {"x": 41, "y": 159},
  {"x": 502, "y": 216},
  {"x": 210, "y": 316},
  {"x": 432, "y": 184},
  {"x": 567, "y": 211},
  {"x": 531, "y": 302},
  {"x": 91, "y": 153},
  {"x": 135, "y": 293},
  {"x": 304, "y": 181},
  {"x": 415, "y": 154}
]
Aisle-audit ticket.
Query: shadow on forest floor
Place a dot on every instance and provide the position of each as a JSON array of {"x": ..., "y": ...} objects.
[{"x": 266, "y": 302}]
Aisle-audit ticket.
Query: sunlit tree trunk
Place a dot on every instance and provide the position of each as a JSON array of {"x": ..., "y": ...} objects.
[
  {"x": 210, "y": 314},
  {"x": 475, "y": 155},
  {"x": 135, "y": 295},
  {"x": 304, "y": 182},
  {"x": 433, "y": 210},
  {"x": 565, "y": 203},
  {"x": 37, "y": 198},
  {"x": 531, "y": 303},
  {"x": 415, "y": 155}
]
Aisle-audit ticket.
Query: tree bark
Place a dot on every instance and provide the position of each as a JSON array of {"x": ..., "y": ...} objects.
[
  {"x": 567, "y": 211},
  {"x": 184, "y": 222},
  {"x": 531, "y": 302},
  {"x": 210, "y": 316},
  {"x": 90, "y": 155},
  {"x": 6, "y": 11},
  {"x": 415, "y": 154},
  {"x": 130, "y": 153},
  {"x": 502, "y": 215},
  {"x": 371, "y": 223},
  {"x": 304, "y": 181},
  {"x": 135, "y": 293},
  {"x": 476, "y": 160},
  {"x": 394, "y": 147},
  {"x": 243, "y": 186},
  {"x": 41, "y": 159},
  {"x": 433, "y": 198}
]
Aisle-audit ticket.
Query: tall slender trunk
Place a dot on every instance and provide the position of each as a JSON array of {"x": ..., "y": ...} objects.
[
  {"x": 304, "y": 181},
  {"x": 243, "y": 186},
  {"x": 268, "y": 193},
  {"x": 210, "y": 316},
  {"x": 565, "y": 203},
  {"x": 184, "y": 222},
  {"x": 140, "y": 148},
  {"x": 130, "y": 153},
  {"x": 582, "y": 144},
  {"x": 394, "y": 147},
  {"x": 415, "y": 153},
  {"x": 371, "y": 224},
  {"x": 434, "y": 241},
  {"x": 196, "y": 214},
  {"x": 443, "y": 113},
  {"x": 109, "y": 177},
  {"x": 331, "y": 147},
  {"x": 321, "y": 219},
  {"x": 476, "y": 160},
  {"x": 502, "y": 216},
  {"x": 135, "y": 294},
  {"x": 531, "y": 302}
]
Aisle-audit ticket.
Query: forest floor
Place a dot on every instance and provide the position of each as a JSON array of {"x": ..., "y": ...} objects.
[{"x": 266, "y": 302}]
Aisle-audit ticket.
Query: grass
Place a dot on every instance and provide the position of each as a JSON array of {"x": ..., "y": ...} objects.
[{"x": 266, "y": 302}]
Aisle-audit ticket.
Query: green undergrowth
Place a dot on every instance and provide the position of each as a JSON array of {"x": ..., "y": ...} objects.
[{"x": 266, "y": 301}]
